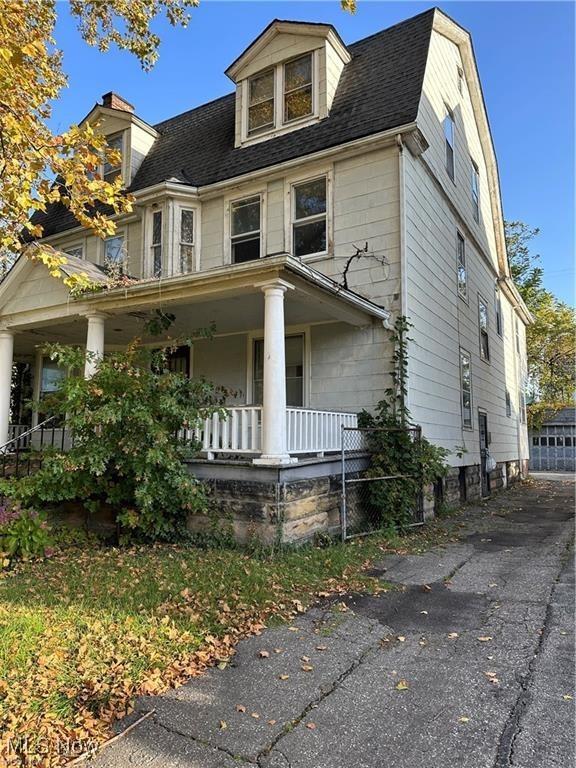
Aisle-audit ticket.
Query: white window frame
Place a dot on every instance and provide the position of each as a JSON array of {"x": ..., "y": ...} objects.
[
  {"x": 498, "y": 313},
  {"x": 313, "y": 105},
  {"x": 266, "y": 128},
  {"x": 461, "y": 240},
  {"x": 289, "y": 212},
  {"x": 158, "y": 211},
  {"x": 124, "y": 151},
  {"x": 160, "y": 207},
  {"x": 292, "y": 330},
  {"x": 465, "y": 424},
  {"x": 449, "y": 115},
  {"x": 482, "y": 301},
  {"x": 120, "y": 232},
  {"x": 179, "y": 242},
  {"x": 247, "y": 193},
  {"x": 280, "y": 125},
  {"x": 75, "y": 247},
  {"x": 475, "y": 190}
]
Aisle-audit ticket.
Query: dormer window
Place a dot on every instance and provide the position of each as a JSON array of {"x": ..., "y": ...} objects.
[
  {"x": 261, "y": 102},
  {"x": 115, "y": 142},
  {"x": 298, "y": 88}
]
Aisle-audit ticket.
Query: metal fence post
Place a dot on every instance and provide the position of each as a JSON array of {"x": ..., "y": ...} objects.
[{"x": 343, "y": 496}]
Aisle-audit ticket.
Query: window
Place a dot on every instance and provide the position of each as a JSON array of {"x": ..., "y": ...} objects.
[
  {"x": 111, "y": 171},
  {"x": 544, "y": 441},
  {"x": 499, "y": 315},
  {"x": 156, "y": 243},
  {"x": 186, "y": 255},
  {"x": 309, "y": 217},
  {"x": 522, "y": 405},
  {"x": 483, "y": 325},
  {"x": 517, "y": 334},
  {"x": 535, "y": 441},
  {"x": 475, "y": 191},
  {"x": 114, "y": 250},
  {"x": 560, "y": 441},
  {"x": 508, "y": 403},
  {"x": 462, "y": 276},
  {"x": 75, "y": 250},
  {"x": 298, "y": 88},
  {"x": 551, "y": 442},
  {"x": 449, "y": 142},
  {"x": 568, "y": 441},
  {"x": 261, "y": 102},
  {"x": 245, "y": 229},
  {"x": 460, "y": 79},
  {"x": 466, "y": 389},
  {"x": 294, "y": 370}
]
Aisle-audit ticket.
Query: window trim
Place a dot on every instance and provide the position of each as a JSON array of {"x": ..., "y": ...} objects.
[
  {"x": 120, "y": 232},
  {"x": 180, "y": 207},
  {"x": 461, "y": 239},
  {"x": 469, "y": 427},
  {"x": 475, "y": 190},
  {"x": 289, "y": 330},
  {"x": 264, "y": 128},
  {"x": 290, "y": 208},
  {"x": 159, "y": 211},
  {"x": 449, "y": 114},
  {"x": 75, "y": 246},
  {"x": 313, "y": 98},
  {"x": 482, "y": 300},
  {"x": 252, "y": 191},
  {"x": 124, "y": 150}
]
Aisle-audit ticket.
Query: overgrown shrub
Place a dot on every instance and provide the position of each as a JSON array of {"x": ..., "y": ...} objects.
[
  {"x": 23, "y": 534},
  {"x": 398, "y": 449},
  {"x": 125, "y": 454}
]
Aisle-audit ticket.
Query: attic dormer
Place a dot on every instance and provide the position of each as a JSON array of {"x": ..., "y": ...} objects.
[
  {"x": 125, "y": 132},
  {"x": 286, "y": 79}
]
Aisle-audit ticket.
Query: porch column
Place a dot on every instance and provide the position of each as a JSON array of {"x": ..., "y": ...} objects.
[
  {"x": 274, "y": 448},
  {"x": 6, "y": 361},
  {"x": 94, "y": 342}
]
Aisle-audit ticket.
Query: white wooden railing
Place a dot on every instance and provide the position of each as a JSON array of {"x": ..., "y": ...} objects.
[{"x": 307, "y": 431}]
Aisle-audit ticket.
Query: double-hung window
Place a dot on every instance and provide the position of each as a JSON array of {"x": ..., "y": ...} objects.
[
  {"x": 483, "y": 327},
  {"x": 466, "y": 389},
  {"x": 508, "y": 401},
  {"x": 75, "y": 250},
  {"x": 114, "y": 251},
  {"x": 245, "y": 229},
  {"x": 309, "y": 234},
  {"x": 462, "y": 274},
  {"x": 186, "y": 248},
  {"x": 499, "y": 315},
  {"x": 261, "y": 111},
  {"x": 449, "y": 142},
  {"x": 475, "y": 191},
  {"x": 298, "y": 88},
  {"x": 111, "y": 171},
  {"x": 156, "y": 243}
]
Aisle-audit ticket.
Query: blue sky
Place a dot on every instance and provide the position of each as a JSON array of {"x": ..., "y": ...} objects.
[{"x": 525, "y": 53}]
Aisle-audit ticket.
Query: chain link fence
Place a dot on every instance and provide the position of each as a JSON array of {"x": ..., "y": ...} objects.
[{"x": 366, "y": 489}]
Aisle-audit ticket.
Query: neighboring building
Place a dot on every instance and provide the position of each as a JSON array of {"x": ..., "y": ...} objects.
[
  {"x": 247, "y": 211},
  {"x": 553, "y": 446}
]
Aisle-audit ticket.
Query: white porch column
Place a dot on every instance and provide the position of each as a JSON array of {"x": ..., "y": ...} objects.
[
  {"x": 274, "y": 449},
  {"x": 6, "y": 360},
  {"x": 94, "y": 342}
]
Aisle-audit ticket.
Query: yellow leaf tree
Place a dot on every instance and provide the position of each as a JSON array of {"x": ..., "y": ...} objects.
[{"x": 37, "y": 167}]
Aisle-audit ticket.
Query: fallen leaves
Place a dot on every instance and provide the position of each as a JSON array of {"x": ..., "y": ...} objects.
[
  {"x": 463, "y": 719},
  {"x": 453, "y": 635},
  {"x": 311, "y": 726},
  {"x": 402, "y": 685},
  {"x": 263, "y": 654},
  {"x": 485, "y": 638}
]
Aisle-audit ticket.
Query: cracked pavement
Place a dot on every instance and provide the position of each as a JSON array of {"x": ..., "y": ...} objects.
[{"x": 481, "y": 631}]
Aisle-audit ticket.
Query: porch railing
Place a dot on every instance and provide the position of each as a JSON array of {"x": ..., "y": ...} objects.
[{"x": 307, "y": 431}]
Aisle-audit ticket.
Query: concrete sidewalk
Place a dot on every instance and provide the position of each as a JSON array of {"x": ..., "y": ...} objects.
[{"x": 468, "y": 664}]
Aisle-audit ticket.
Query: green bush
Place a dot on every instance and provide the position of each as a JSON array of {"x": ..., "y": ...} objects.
[
  {"x": 126, "y": 454},
  {"x": 23, "y": 534}
]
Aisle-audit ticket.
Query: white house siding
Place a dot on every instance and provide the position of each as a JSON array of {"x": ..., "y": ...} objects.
[{"x": 443, "y": 323}]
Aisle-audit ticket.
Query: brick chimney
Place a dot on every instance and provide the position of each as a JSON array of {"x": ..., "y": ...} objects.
[{"x": 112, "y": 100}]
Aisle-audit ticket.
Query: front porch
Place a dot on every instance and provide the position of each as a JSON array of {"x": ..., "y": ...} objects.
[{"x": 294, "y": 349}]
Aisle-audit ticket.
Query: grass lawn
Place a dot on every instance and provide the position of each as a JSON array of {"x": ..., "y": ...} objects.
[{"x": 85, "y": 632}]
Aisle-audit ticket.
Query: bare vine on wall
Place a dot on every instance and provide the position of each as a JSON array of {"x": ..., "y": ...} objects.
[{"x": 361, "y": 253}]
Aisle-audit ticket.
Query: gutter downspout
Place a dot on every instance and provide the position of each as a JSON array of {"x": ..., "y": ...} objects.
[{"x": 403, "y": 255}]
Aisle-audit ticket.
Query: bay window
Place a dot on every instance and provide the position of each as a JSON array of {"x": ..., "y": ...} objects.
[
  {"x": 245, "y": 229},
  {"x": 156, "y": 243},
  {"x": 186, "y": 246},
  {"x": 309, "y": 217}
]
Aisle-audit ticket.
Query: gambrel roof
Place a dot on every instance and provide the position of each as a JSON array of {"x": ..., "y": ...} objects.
[{"x": 378, "y": 90}]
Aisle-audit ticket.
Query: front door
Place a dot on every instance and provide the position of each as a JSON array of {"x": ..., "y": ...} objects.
[{"x": 484, "y": 476}]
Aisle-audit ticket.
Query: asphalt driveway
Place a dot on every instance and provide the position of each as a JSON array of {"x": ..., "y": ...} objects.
[{"x": 467, "y": 663}]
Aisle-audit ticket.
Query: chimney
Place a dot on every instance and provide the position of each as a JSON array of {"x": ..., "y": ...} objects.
[{"x": 112, "y": 100}]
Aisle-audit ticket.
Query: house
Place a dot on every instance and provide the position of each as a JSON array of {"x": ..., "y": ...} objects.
[
  {"x": 553, "y": 445},
  {"x": 247, "y": 212}
]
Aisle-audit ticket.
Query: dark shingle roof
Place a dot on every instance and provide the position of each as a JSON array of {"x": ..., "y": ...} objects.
[{"x": 378, "y": 90}]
